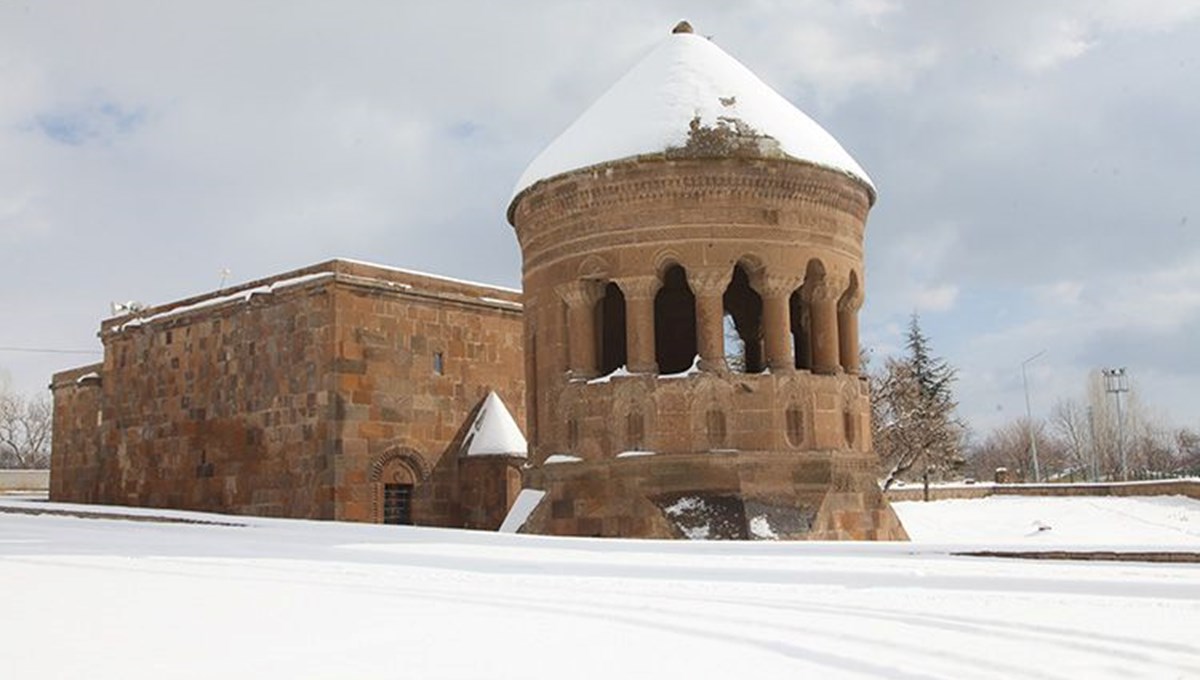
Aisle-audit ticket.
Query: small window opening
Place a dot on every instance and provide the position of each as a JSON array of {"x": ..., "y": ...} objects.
[
  {"x": 635, "y": 431},
  {"x": 795, "y": 426},
  {"x": 439, "y": 363},
  {"x": 848, "y": 423},
  {"x": 715, "y": 425},
  {"x": 573, "y": 435}
]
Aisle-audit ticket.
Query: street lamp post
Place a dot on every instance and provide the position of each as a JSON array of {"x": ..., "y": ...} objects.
[
  {"x": 1037, "y": 473},
  {"x": 1116, "y": 381}
]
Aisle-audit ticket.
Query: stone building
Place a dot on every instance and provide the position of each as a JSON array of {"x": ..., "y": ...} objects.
[
  {"x": 683, "y": 356},
  {"x": 693, "y": 271},
  {"x": 340, "y": 391}
]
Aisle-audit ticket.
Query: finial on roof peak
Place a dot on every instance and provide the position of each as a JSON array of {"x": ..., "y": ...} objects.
[{"x": 682, "y": 27}]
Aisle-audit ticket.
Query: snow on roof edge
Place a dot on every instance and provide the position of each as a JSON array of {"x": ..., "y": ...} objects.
[{"x": 440, "y": 277}]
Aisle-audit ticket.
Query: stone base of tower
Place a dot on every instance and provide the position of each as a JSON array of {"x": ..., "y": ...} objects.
[{"x": 809, "y": 495}]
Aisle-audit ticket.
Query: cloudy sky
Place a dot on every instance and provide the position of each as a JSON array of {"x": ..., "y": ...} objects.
[{"x": 1038, "y": 162}]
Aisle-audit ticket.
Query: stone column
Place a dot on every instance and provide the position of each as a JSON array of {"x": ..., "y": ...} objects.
[
  {"x": 824, "y": 332},
  {"x": 708, "y": 285},
  {"x": 848, "y": 308},
  {"x": 776, "y": 293},
  {"x": 639, "y": 294},
  {"x": 581, "y": 298}
]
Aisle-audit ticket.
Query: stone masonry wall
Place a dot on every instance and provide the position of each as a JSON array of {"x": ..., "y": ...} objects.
[
  {"x": 224, "y": 408},
  {"x": 393, "y": 402},
  {"x": 74, "y": 453},
  {"x": 291, "y": 396}
]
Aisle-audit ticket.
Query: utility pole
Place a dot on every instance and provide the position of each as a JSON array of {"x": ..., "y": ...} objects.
[
  {"x": 1037, "y": 473},
  {"x": 1092, "y": 444},
  {"x": 1115, "y": 383}
]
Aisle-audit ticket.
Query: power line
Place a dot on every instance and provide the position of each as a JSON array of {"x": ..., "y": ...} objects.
[{"x": 46, "y": 350}]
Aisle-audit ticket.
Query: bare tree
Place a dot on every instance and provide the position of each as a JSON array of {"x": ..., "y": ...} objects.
[
  {"x": 1085, "y": 440},
  {"x": 1187, "y": 447},
  {"x": 25, "y": 430},
  {"x": 1008, "y": 447},
  {"x": 1070, "y": 425},
  {"x": 1150, "y": 449}
]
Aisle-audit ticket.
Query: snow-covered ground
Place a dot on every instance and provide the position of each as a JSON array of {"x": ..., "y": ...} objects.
[
  {"x": 108, "y": 598},
  {"x": 1150, "y": 522}
]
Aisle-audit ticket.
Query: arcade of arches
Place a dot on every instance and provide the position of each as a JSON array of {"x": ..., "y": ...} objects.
[{"x": 741, "y": 319}]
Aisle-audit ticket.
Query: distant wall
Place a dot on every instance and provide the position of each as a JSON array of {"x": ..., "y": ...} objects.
[
  {"x": 24, "y": 480},
  {"x": 1166, "y": 487}
]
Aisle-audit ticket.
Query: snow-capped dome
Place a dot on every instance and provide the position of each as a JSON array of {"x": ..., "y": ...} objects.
[
  {"x": 690, "y": 98},
  {"x": 494, "y": 432}
]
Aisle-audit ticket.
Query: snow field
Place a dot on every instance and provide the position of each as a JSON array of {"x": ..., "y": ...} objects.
[{"x": 102, "y": 598}]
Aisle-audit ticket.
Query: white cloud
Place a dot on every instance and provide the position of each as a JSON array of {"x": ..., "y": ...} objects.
[
  {"x": 1059, "y": 293},
  {"x": 1066, "y": 39},
  {"x": 936, "y": 298}
]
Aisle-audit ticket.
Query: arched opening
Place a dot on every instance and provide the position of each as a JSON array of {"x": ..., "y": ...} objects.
[
  {"x": 674, "y": 322},
  {"x": 743, "y": 324},
  {"x": 847, "y": 320},
  {"x": 800, "y": 324},
  {"x": 610, "y": 329},
  {"x": 395, "y": 479}
]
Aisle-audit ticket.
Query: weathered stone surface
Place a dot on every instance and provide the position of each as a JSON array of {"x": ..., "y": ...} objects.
[
  {"x": 772, "y": 443},
  {"x": 299, "y": 402}
]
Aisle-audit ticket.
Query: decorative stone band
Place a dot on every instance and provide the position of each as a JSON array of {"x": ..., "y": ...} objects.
[{"x": 697, "y": 179}]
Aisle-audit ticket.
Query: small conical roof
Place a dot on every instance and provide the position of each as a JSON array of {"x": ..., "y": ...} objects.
[
  {"x": 684, "y": 86},
  {"x": 494, "y": 432}
]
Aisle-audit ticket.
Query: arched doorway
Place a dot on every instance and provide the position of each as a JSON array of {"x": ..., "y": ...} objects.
[{"x": 395, "y": 476}]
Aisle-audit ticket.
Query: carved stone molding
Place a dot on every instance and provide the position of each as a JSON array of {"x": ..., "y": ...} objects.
[
  {"x": 709, "y": 280},
  {"x": 638, "y": 287},
  {"x": 774, "y": 285},
  {"x": 580, "y": 293},
  {"x": 407, "y": 456}
]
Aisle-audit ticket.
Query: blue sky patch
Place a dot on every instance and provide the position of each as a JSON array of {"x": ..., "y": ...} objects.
[{"x": 93, "y": 122}]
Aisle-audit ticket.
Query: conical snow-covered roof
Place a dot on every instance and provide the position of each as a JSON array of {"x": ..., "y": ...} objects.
[
  {"x": 494, "y": 432},
  {"x": 687, "y": 87}
]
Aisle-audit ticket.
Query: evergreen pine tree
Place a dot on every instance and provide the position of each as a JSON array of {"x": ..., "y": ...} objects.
[{"x": 916, "y": 432}]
